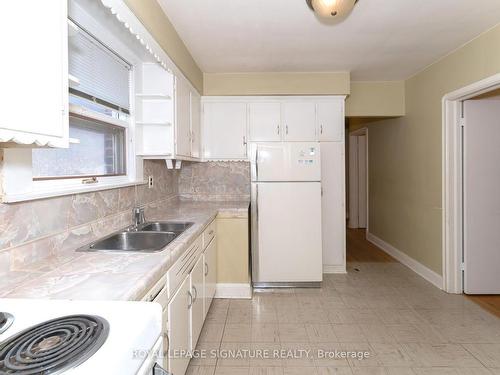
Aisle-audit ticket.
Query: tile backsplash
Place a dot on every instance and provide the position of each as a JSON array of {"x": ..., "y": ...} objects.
[
  {"x": 35, "y": 227},
  {"x": 31, "y": 231},
  {"x": 215, "y": 181}
]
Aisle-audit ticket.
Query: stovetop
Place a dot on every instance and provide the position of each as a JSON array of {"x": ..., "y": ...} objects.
[
  {"x": 78, "y": 330},
  {"x": 6, "y": 320},
  {"x": 53, "y": 346}
]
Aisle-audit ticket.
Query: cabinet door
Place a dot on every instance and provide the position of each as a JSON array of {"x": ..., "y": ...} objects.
[
  {"x": 195, "y": 125},
  {"x": 178, "y": 328},
  {"x": 264, "y": 122},
  {"x": 196, "y": 311},
  {"x": 183, "y": 118},
  {"x": 225, "y": 129},
  {"x": 299, "y": 121},
  {"x": 330, "y": 119},
  {"x": 210, "y": 280},
  {"x": 34, "y": 73}
]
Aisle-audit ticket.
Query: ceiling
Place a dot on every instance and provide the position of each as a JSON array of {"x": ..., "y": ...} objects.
[{"x": 380, "y": 40}]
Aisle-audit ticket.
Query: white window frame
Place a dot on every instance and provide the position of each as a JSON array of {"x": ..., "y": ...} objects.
[{"x": 18, "y": 183}]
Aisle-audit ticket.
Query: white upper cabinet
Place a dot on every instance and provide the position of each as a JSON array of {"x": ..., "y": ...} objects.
[
  {"x": 330, "y": 120},
  {"x": 35, "y": 40},
  {"x": 225, "y": 130},
  {"x": 264, "y": 122},
  {"x": 195, "y": 125},
  {"x": 299, "y": 121},
  {"x": 183, "y": 118}
]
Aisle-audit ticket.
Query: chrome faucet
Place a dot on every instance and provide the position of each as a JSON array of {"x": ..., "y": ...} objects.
[{"x": 138, "y": 216}]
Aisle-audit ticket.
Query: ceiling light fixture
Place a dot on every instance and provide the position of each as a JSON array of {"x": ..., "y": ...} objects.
[{"x": 332, "y": 9}]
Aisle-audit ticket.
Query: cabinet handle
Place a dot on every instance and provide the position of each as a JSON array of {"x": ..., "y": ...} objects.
[
  {"x": 321, "y": 129},
  {"x": 278, "y": 127},
  {"x": 165, "y": 350},
  {"x": 195, "y": 294},
  {"x": 190, "y": 296},
  {"x": 206, "y": 269},
  {"x": 286, "y": 127}
]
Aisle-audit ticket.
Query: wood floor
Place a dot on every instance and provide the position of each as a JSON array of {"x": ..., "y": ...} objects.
[{"x": 361, "y": 250}]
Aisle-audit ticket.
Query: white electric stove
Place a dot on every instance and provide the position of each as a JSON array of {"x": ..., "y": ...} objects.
[{"x": 80, "y": 337}]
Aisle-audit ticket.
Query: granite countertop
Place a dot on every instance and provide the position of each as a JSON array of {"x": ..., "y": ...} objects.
[{"x": 117, "y": 276}]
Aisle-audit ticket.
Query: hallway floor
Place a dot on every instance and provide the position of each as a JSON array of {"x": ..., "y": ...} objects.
[{"x": 403, "y": 323}]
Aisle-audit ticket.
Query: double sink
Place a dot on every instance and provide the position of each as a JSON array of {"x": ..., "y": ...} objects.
[{"x": 148, "y": 237}]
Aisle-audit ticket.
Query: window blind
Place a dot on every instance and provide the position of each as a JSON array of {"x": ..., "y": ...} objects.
[{"x": 100, "y": 72}]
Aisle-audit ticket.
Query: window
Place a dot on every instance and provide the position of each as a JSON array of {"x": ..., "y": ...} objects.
[{"x": 99, "y": 114}]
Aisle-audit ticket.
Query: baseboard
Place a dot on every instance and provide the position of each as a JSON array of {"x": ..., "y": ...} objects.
[
  {"x": 408, "y": 261},
  {"x": 239, "y": 291},
  {"x": 329, "y": 268}
]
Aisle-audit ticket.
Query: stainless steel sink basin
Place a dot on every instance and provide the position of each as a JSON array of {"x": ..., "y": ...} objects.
[
  {"x": 149, "y": 237},
  {"x": 165, "y": 226},
  {"x": 132, "y": 242}
]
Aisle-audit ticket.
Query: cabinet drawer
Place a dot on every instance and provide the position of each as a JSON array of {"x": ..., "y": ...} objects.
[
  {"x": 208, "y": 234},
  {"x": 183, "y": 266}
]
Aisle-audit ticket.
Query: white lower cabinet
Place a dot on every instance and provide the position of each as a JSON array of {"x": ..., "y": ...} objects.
[
  {"x": 178, "y": 329},
  {"x": 210, "y": 280},
  {"x": 196, "y": 314}
]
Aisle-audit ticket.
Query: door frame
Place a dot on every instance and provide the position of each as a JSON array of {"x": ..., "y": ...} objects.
[
  {"x": 452, "y": 179},
  {"x": 353, "y": 167}
]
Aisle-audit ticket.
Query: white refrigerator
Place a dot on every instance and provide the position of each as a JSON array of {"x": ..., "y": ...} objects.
[{"x": 286, "y": 214}]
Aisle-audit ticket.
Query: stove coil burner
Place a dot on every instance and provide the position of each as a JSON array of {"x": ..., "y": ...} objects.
[
  {"x": 53, "y": 346},
  {"x": 6, "y": 320}
]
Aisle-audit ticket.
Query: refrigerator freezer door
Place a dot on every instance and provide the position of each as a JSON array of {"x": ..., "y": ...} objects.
[
  {"x": 283, "y": 162},
  {"x": 287, "y": 238}
]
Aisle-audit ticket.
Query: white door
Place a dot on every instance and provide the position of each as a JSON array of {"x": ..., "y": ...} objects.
[
  {"x": 225, "y": 130},
  {"x": 481, "y": 199},
  {"x": 196, "y": 311},
  {"x": 264, "y": 122},
  {"x": 289, "y": 161},
  {"x": 34, "y": 65},
  {"x": 183, "y": 118},
  {"x": 195, "y": 125},
  {"x": 289, "y": 232},
  {"x": 299, "y": 121},
  {"x": 210, "y": 258},
  {"x": 330, "y": 119},
  {"x": 178, "y": 328},
  {"x": 332, "y": 203}
]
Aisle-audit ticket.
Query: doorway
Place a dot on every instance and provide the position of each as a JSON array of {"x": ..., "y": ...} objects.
[
  {"x": 358, "y": 179},
  {"x": 471, "y": 212}
]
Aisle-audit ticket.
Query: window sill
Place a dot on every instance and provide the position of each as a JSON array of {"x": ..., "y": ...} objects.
[{"x": 14, "y": 198}]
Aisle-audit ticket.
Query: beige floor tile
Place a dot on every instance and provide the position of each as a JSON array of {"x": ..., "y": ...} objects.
[
  {"x": 348, "y": 333},
  {"x": 320, "y": 333},
  {"x": 393, "y": 355},
  {"x": 297, "y": 355},
  {"x": 237, "y": 333},
  {"x": 341, "y": 316},
  {"x": 487, "y": 354},
  {"x": 399, "y": 316},
  {"x": 419, "y": 333},
  {"x": 382, "y": 371},
  {"x": 324, "y": 355},
  {"x": 200, "y": 370},
  {"x": 211, "y": 332},
  {"x": 232, "y": 371},
  {"x": 300, "y": 371},
  {"x": 205, "y": 354},
  {"x": 270, "y": 355},
  {"x": 293, "y": 333},
  {"x": 239, "y": 316},
  {"x": 441, "y": 355},
  {"x": 377, "y": 333},
  {"x": 483, "y": 333},
  {"x": 263, "y": 332},
  {"x": 331, "y": 370},
  {"x": 266, "y": 371},
  {"x": 234, "y": 354},
  {"x": 451, "y": 371}
]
